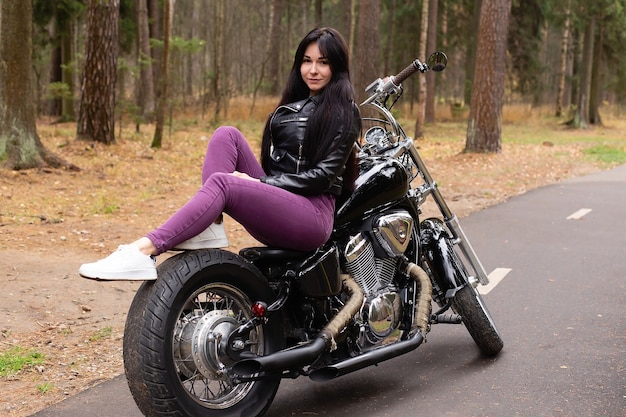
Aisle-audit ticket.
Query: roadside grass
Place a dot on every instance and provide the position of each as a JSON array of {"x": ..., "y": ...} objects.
[
  {"x": 45, "y": 387},
  {"x": 17, "y": 359},
  {"x": 103, "y": 333},
  {"x": 607, "y": 154}
]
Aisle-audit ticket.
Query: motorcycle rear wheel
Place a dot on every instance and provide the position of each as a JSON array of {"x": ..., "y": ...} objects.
[{"x": 176, "y": 332}]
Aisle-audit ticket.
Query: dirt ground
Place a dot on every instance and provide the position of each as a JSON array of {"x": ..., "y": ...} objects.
[{"x": 51, "y": 221}]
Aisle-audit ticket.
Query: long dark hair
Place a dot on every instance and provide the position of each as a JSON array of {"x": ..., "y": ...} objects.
[{"x": 335, "y": 111}]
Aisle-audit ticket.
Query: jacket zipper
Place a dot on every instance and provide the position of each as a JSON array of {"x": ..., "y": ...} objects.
[
  {"x": 299, "y": 158},
  {"x": 299, "y": 119}
]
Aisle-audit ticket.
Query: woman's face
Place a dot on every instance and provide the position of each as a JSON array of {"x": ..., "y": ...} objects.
[{"x": 315, "y": 69}]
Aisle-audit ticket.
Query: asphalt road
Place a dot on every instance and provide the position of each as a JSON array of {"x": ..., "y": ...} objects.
[{"x": 561, "y": 310}]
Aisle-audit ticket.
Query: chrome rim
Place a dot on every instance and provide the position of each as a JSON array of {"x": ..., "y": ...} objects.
[{"x": 199, "y": 344}]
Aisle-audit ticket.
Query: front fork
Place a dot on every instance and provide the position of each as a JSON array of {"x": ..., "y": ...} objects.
[
  {"x": 467, "y": 249},
  {"x": 438, "y": 254},
  {"x": 451, "y": 221}
]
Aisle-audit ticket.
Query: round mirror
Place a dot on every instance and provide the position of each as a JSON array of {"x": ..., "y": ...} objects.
[{"x": 437, "y": 61}]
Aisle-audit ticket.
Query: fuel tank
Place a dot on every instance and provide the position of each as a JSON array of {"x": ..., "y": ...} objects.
[{"x": 381, "y": 181}]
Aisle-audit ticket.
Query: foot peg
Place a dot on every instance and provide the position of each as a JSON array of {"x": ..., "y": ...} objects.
[{"x": 445, "y": 319}]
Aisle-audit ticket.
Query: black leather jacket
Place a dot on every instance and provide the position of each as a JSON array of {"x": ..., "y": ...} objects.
[{"x": 287, "y": 167}]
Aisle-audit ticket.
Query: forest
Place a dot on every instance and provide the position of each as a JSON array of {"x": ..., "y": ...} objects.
[{"x": 209, "y": 56}]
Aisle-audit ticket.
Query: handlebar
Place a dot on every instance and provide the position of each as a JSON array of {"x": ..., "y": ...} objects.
[
  {"x": 437, "y": 62},
  {"x": 409, "y": 70},
  {"x": 392, "y": 83}
]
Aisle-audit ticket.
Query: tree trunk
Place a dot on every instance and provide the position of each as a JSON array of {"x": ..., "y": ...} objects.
[
  {"x": 318, "y": 13},
  {"x": 67, "y": 76},
  {"x": 218, "y": 61},
  {"x": 421, "y": 104},
  {"x": 563, "y": 67},
  {"x": 581, "y": 117},
  {"x": 96, "y": 118},
  {"x": 367, "y": 45},
  {"x": 20, "y": 145},
  {"x": 484, "y": 129},
  {"x": 272, "y": 54},
  {"x": 145, "y": 90},
  {"x": 470, "y": 60},
  {"x": 193, "y": 71},
  {"x": 162, "y": 92},
  {"x": 347, "y": 12},
  {"x": 273, "y": 49},
  {"x": 54, "y": 105},
  {"x": 391, "y": 25},
  {"x": 433, "y": 11},
  {"x": 352, "y": 35},
  {"x": 596, "y": 80},
  {"x": 155, "y": 23},
  {"x": 62, "y": 56},
  {"x": 575, "y": 47}
]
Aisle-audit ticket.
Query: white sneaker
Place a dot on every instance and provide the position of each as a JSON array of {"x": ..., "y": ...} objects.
[
  {"x": 213, "y": 236},
  {"x": 126, "y": 263}
]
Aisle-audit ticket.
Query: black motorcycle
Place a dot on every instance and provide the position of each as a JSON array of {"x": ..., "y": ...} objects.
[{"x": 217, "y": 331}]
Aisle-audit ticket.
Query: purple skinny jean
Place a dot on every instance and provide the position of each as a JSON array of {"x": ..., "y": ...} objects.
[{"x": 272, "y": 215}]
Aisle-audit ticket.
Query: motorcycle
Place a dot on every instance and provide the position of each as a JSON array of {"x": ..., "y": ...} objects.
[{"x": 217, "y": 331}]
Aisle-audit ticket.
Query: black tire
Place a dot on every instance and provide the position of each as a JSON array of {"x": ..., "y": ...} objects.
[
  {"x": 470, "y": 306},
  {"x": 198, "y": 294}
]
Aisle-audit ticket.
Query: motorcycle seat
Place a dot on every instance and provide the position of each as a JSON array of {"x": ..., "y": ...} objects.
[{"x": 264, "y": 253}]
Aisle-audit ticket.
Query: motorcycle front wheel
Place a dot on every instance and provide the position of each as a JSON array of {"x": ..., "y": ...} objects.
[
  {"x": 469, "y": 304},
  {"x": 176, "y": 333}
]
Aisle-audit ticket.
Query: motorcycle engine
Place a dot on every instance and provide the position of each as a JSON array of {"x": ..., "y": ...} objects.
[{"x": 372, "y": 258}]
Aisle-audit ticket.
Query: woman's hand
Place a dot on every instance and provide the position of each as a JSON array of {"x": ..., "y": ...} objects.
[{"x": 244, "y": 176}]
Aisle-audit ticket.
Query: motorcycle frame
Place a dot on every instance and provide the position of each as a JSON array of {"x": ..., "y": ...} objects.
[{"x": 404, "y": 146}]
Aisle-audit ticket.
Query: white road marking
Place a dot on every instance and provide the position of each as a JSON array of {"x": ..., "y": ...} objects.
[
  {"x": 495, "y": 277},
  {"x": 579, "y": 214}
]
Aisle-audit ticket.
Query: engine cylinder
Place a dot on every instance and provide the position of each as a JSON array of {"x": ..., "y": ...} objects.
[{"x": 361, "y": 264}]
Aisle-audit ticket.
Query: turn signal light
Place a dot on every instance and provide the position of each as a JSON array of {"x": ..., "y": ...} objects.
[{"x": 259, "y": 309}]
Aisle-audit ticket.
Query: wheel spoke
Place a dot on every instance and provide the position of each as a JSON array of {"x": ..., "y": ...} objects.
[{"x": 212, "y": 307}]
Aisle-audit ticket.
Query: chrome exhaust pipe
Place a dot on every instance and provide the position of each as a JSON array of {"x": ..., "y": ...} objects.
[
  {"x": 367, "y": 359},
  {"x": 285, "y": 359},
  {"x": 306, "y": 354}
]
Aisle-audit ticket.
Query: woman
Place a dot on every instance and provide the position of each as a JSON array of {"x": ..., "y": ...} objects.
[{"x": 288, "y": 200}]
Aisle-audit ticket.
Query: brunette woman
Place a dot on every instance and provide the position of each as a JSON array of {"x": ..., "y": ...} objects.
[{"x": 287, "y": 200}]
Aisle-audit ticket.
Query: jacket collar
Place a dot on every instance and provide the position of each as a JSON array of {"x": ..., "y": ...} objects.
[{"x": 296, "y": 106}]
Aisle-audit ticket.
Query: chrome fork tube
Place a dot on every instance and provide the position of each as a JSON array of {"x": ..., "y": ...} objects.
[{"x": 448, "y": 217}]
